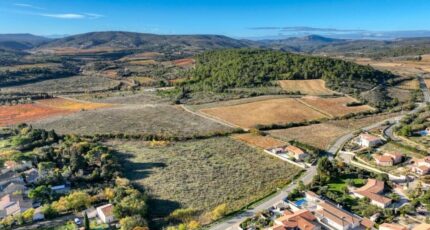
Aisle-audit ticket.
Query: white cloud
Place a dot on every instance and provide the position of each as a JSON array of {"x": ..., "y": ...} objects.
[
  {"x": 64, "y": 16},
  {"x": 28, "y": 6},
  {"x": 93, "y": 15}
]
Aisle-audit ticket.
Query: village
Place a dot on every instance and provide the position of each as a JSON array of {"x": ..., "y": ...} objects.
[{"x": 369, "y": 185}]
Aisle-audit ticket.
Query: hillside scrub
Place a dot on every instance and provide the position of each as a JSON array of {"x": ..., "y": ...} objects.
[{"x": 221, "y": 70}]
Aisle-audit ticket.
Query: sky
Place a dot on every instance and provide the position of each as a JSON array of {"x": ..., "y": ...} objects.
[{"x": 235, "y": 18}]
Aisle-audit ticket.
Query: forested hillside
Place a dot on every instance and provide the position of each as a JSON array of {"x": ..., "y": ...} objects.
[{"x": 221, "y": 70}]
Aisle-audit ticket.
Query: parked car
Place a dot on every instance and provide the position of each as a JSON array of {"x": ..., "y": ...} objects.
[{"x": 77, "y": 221}]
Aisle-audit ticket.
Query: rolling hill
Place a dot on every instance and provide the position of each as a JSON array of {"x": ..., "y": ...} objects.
[
  {"x": 129, "y": 40},
  {"x": 19, "y": 42}
]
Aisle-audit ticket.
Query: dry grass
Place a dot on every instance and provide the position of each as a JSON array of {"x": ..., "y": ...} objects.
[
  {"x": 264, "y": 142},
  {"x": 335, "y": 106},
  {"x": 427, "y": 81},
  {"x": 10, "y": 115},
  {"x": 72, "y": 105},
  {"x": 144, "y": 80},
  {"x": 142, "y": 62},
  {"x": 401, "y": 67},
  {"x": 163, "y": 120},
  {"x": 409, "y": 84},
  {"x": 266, "y": 112},
  {"x": 318, "y": 135},
  {"x": 202, "y": 174},
  {"x": 324, "y": 134},
  {"x": 309, "y": 87},
  {"x": 185, "y": 62}
]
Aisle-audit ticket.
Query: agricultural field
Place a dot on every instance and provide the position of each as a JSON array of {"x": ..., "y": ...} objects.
[
  {"x": 10, "y": 115},
  {"x": 324, "y": 134},
  {"x": 124, "y": 97},
  {"x": 335, "y": 106},
  {"x": 409, "y": 84},
  {"x": 266, "y": 112},
  {"x": 308, "y": 87},
  {"x": 260, "y": 141},
  {"x": 401, "y": 67},
  {"x": 42, "y": 109},
  {"x": 163, "y": 120},
  {"x": 71, "y": 105},
  {"x": 177, "y": 175},
  {"x": 65, "y": 85}
]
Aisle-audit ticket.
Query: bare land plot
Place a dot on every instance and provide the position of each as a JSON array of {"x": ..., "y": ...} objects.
[
  {"x": 43, "y": 109},
  {"x": 267, "y": 112},
  {"x": 264, "y": 142},
  {"x": 124, "y": 97},
  {"x": 409, "y": 84},
  {"x": 324, "y": 134},
  {"x": 134, "y": 119},
  {"x": 309, "y": 87},
  {"x": 336, "y": 106},
  {"x": 10, "y": 115},
  {"x": 65, "y": 85},
  {"x": 202, "y": 174},
  {"x": 401, "y": 67}
]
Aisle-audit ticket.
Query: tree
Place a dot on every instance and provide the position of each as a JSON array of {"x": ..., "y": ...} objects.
[
  {"x": 49, "y": 212},
  {"x": 184, "y": 215},
  {"x": 42, "y": 193},
  {"x": 131, "y": 222},
  {"x": 193, "y": 225},
  {"x": 219, "y": 211},
  {"x": 27, "y": 215},
  {"x": 86, "y": 222}
]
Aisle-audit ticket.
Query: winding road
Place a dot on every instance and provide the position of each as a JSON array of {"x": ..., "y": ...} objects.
[{"x": 234, "y": 222}]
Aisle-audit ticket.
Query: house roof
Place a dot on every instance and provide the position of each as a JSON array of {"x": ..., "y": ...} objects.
[
  {"x": 372, "y": 189},
  {"x": 302, "y": 219},
  {"x": 394, "y": 154},
  {"x": 336, "y": 214},
  {"x": 310, "y": 193},
  {"x": 369, "y": 137},
  {"x": 422, "y": 227},
  {"x": 106, "y": 209},
  {"x": 14, "y": 187},
  {"x": 392, "y": 226},
  {"x": 423, "y": 168},
  {"x": 367, "y": 223},
  {"x": 10, "y": 164},
  {"x": 383, "y": 158},
  {"x": 294, "y": 149}
]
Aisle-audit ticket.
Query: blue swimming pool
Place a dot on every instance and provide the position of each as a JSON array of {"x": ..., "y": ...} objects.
[
  {"x": 300, "y": 202},
  {"x": 423, "y": 133}
]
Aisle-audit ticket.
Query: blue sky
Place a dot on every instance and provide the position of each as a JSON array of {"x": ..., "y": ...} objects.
[{"x": 247, "y": 18}]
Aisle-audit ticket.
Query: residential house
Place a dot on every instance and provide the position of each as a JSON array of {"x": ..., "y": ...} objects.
[
  {"x": 13, "y": 204},
  {"x": 16, "y": 166},
  {"x": 383, "y": 160},
  {"x": 422, "y": 227},
  {"x": 367, "y": 140},
  {"x": 295, "y": 152},
  {"x": 388, "y": 159},
  {"x": 312, "y": 197},
  {"x": 277, "y": 150},
  {"x": 367, "y": 223},
  {"x": 335, "y": 217},
  {"x": 105, "y": 213},
  {"x": 391, "y": 226},
  {"x": 14, "y": 188},
  {"x": 422, "y": 166},
  {"x": 373, "y": 190},
  {"x": 301, "y": 219}
]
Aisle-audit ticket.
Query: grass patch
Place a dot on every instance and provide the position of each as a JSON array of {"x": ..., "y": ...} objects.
[{"x": 203, "y": 174}]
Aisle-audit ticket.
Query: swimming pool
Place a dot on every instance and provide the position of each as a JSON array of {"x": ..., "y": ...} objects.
[
  {"x": 423, "y": 133},
  {"x": 300, "y": 202}
]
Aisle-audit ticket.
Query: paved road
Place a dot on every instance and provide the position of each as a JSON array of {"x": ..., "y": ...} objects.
[
  {"x": 48, "y": 223},
  {"x": 233, "y": 223}
]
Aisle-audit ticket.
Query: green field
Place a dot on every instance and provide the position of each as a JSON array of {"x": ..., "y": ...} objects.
[{"x": 202, "y": 174}]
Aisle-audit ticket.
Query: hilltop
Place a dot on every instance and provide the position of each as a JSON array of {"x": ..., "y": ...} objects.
[{"x": 21, "y": 41}]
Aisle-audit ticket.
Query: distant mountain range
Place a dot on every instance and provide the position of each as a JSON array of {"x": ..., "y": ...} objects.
[{"x": 153, "y": 42}]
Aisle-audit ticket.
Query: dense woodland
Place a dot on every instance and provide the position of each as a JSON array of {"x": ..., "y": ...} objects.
[{"x": 242, "y": 68}]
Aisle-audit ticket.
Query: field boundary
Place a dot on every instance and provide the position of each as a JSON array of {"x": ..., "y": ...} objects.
[
  {"x": 210, "y": 117},
  {"x": 316, "y": 109}
]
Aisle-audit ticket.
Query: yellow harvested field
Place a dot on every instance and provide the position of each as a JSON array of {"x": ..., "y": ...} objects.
[
  {"x": 318, "y": 135},
  {"x": 144, "y": 80},
  {"x": 400, "y": 67},
  {"x": 427, "y": 81},
  {"x": 71, "y": 105},
  {"x": 409, "y": 84},
  {"x": 264, "y": 142},
  {"x": 143, "y": 62},
  {"x": 324, "y": 134},
  {"x": 335, "y": 106},
  {"x": 266, "y": 112},
  {"x": 309, "y": 87}
]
